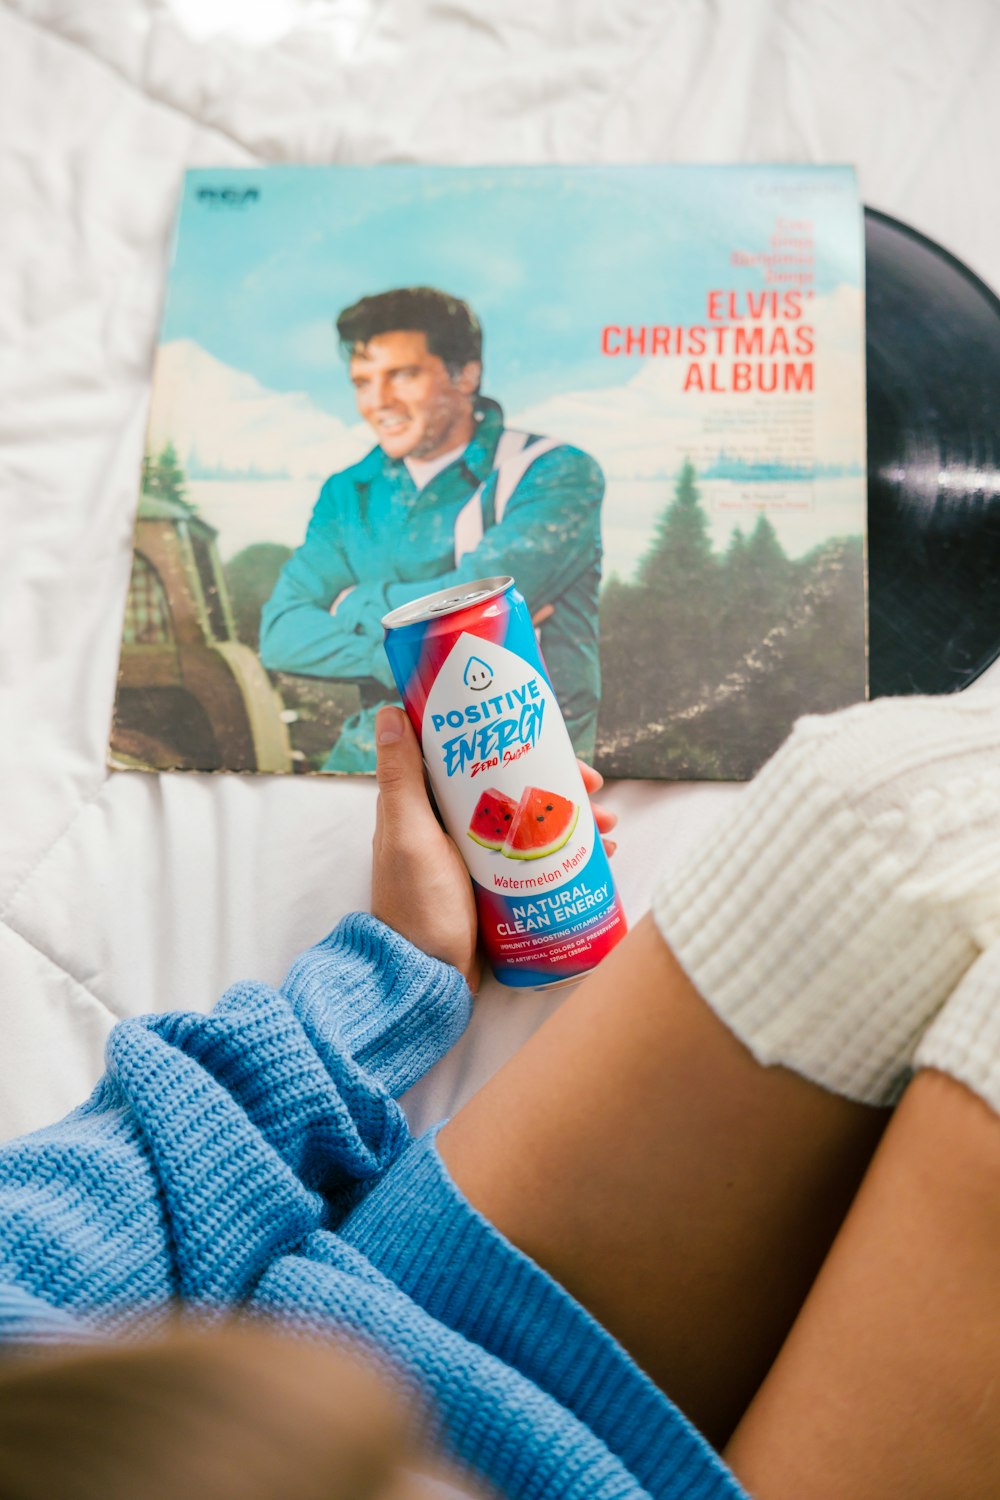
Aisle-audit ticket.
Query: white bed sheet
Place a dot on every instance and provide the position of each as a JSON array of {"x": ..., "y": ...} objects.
[{"x": 124, "y": 892}]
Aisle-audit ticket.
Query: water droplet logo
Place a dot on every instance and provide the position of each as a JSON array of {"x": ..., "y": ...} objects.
[{"x": 478, "y": 675}]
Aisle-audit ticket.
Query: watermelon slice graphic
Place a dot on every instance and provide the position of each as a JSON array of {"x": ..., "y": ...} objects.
[
  {"x": 542, "y": 823},
  {"x": 492, "y": 819}
]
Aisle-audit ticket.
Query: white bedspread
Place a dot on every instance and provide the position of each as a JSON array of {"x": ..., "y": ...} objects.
[{"x": 124, "y": 892}]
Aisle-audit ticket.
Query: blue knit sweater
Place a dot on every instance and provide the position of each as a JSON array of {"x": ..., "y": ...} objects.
[{"x": 257, "y": 1157}]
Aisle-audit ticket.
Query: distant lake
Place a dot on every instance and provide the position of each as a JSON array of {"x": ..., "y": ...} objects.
[{"x": 802, "y": 512}]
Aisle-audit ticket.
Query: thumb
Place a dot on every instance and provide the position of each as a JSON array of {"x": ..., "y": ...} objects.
[{"x": 399, "y": 771}]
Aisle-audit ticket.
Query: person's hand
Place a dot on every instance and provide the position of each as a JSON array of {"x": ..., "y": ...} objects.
[{"x": 420, "y": 885}]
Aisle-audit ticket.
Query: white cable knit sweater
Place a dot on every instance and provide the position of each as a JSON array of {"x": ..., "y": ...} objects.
[{"x": 835, "y": 914}]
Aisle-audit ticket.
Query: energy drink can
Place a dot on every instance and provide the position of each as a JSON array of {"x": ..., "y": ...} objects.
[{"x": 506, "y": 780}]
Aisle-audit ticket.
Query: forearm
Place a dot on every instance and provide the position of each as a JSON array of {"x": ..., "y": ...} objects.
[
  {"x": 305, "y": 639},
  {"x": 215, "y": 1140}
]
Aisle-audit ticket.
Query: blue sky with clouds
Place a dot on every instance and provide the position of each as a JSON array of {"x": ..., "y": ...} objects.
[{"x": 546, "y": 255}]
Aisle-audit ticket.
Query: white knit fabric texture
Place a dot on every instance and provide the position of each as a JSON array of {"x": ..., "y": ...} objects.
[
  {"x": 964, "y": 1039},
  {"x": 858, "y": 879}
]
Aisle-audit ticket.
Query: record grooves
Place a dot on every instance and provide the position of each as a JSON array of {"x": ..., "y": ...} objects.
[{"x": 933, "y": 351}]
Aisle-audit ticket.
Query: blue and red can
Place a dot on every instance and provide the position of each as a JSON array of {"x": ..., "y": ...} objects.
[{"x": 506, "y": 780}]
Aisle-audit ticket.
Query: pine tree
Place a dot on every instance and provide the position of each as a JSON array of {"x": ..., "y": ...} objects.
[
  {"x": 765, "y": 555},
  {"x": 164, "y": 478},
  {"x": 736, "y": 550},
  {"x": 658, "y": 634},
  {"x": 678, "y": 603},
  {"x": 759, "y": 587},
  {"x": 680, "y": 557}
]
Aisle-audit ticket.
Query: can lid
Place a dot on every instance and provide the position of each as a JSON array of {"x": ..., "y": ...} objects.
[{"x": 446, "y": 602}]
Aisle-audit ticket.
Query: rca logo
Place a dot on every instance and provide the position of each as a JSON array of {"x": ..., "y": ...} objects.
[{"x": 228, "y": 197}]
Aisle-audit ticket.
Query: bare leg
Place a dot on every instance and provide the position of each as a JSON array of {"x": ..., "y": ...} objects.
[
  {"x": 683, "y": 1193},
  {"x": 889, "y": 1383}
]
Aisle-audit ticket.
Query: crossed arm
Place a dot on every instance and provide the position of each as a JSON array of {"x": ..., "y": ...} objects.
[{"x": 549, "y": 534}]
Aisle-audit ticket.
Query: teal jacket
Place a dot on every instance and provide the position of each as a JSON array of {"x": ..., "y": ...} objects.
[{"x": 372, "y": 533}]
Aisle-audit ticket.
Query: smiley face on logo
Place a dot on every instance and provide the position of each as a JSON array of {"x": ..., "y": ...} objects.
[{"x": 478, "y": 675}]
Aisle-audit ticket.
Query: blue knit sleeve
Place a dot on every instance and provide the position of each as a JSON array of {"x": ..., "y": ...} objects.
[{"x": 215, "y": 1143}]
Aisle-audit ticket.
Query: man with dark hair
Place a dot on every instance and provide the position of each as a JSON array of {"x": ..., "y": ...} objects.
[
  {"x": 451, "y": 327},
  {"x": 449, "y": 494}
]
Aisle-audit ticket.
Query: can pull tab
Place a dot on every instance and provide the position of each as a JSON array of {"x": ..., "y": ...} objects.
[{"x": 454, "y": 600}]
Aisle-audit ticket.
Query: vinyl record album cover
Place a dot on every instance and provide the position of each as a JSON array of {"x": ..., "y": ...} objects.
[{"x": 639, "y": 390}]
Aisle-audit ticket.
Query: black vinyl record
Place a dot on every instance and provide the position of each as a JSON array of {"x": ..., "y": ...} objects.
[{"x": 933, "y": 349}]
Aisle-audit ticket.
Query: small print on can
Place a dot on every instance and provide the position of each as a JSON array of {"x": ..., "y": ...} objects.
[{"x": 506, "y": 780}]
